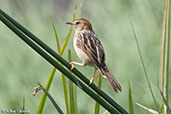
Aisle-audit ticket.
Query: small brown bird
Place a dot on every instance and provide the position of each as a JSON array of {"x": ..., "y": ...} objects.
[{"x": 90, "y": 50}]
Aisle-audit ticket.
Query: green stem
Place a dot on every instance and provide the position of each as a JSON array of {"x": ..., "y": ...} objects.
[
  {"x": 97, "y": 106},
  {"x": 142, "y": 61}
]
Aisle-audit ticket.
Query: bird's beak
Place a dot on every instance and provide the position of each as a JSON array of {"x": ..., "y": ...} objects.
[{"x": 70, "y": 23}]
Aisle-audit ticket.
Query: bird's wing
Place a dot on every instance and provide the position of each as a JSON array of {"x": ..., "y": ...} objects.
[{"x": 90, "y": 44}]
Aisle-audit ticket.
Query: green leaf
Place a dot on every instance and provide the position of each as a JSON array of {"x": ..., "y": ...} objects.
[
  {"x": 165, "y": 101},
  {"x": 65, "y": 94},
  {"x": 148, "y": 109},
  {"x": 75, "y": 99},
  {"x": 23, "y": 107},
  {"x": 47, "y": 87},
  {"x": 56, "y": 36},
  {"x": 142, "y": 62},
  {"x": 164, "y": 55},
  {"x": 97, "y": 106},
  {"x": 131, "y": 109},
  {"x": 69, "y": 34},
  {"x": 71, "y": 95},
  {"x": 72, "y": 92},
  {"x": 51, "y": 99}
]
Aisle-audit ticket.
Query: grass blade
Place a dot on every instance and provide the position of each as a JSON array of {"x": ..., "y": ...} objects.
[
  {"x": 75, "y": 100},
  {"x": 69, "y": 34},
  {"x": 166, "y": 62},
  {"x": 56, "y": 36},
  {"x": 142, "y": 61},
  {"x": 148, "y": 109},
  {"x": 165, "y": 102},
  {"x": 168, "y": 51},
  {"x": 131, "y": 109},
  {"x": 164, "y": 56},
  {"x": 23, "y": 107},
  {"x": 72, "y": 91},
  {"x": 65, "y": 93},
  {"x": 162, "y": 53},
  {"x": 51, "y": 99},
  {"x": 47, "y": 87},
  {"x": 97, "y": 106},
  {"x": 71, "y": 95}
]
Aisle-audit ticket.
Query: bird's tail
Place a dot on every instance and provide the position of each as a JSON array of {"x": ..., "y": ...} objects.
[{"x": 110, "y": 78}]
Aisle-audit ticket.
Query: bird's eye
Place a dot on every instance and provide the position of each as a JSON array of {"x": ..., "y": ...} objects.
[{"x": 77, "y": 23}]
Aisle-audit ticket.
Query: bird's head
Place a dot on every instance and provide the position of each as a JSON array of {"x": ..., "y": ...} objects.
[{"x": 80, "y": 24}]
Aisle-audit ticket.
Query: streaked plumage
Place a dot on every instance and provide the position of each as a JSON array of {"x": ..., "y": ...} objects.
[{"x": 90, "y": 50}]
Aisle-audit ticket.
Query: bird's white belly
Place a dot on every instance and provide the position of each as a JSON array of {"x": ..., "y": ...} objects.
[{"x": 81, "y": 54}]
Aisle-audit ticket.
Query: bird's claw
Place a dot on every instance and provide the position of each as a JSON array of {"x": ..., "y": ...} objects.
[
  {"x": 91, "y": 80},
  {"x": 72, "y": 65}
]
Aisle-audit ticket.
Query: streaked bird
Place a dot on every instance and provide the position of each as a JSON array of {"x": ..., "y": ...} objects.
[{"x": 90, "y": 50}]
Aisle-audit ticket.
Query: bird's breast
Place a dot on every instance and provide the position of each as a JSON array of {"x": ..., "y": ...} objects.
[{"x": 80, "y": 53}]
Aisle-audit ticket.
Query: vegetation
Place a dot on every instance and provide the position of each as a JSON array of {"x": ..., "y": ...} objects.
[{"x": 150, "y": 24}]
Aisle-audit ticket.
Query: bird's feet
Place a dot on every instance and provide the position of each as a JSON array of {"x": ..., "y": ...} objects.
[
  {"x": 72, "y": 65},
  {"x": 91, "y": 80}
]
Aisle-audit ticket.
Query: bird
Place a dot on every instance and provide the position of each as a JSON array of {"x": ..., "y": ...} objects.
[{"x": 90, "y": 50}]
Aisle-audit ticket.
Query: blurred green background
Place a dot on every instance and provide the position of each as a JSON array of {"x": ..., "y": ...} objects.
[{"x": 21, "y": 67}]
